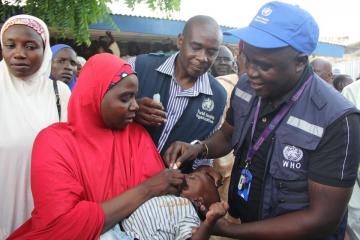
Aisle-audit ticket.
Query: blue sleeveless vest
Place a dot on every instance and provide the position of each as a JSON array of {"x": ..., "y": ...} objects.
[
  {"x": 285, "y": 187},
  {"x": 200, "y": 116}
]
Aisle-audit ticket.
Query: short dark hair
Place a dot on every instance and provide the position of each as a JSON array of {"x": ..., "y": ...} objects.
[{"x": 341, "y": 80}]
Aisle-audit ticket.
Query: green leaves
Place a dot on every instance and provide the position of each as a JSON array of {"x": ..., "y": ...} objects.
[
  {"x": 8, "y": 9},
  {"x": 71, "y": 18},
  {"x": 164, "y": 5}
]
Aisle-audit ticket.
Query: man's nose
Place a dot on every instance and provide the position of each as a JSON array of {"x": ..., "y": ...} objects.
[
  {"x": 252, "y": 70},
  {"x": 202, "y": 56},
  {"x": 69, "y": 66}
]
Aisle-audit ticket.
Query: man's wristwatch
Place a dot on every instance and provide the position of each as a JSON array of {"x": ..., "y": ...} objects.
[{"x": 205, "y": 150}]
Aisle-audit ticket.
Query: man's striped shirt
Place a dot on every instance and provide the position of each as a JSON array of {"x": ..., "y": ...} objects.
[{"x": 178, "y": 99}]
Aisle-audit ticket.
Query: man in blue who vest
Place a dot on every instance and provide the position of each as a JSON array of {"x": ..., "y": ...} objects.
[
  {"x": 192, "y": 101},
  {"x": 295, "y": 139}
]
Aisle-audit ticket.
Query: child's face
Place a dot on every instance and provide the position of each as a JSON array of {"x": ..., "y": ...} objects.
[{"x": 199, "y": 187}]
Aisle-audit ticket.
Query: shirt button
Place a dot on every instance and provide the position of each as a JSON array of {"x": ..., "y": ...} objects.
[{"x": 264, "y": 119}]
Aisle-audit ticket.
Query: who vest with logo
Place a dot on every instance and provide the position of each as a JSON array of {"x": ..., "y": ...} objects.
[
  {"x": 285, "y": 187},
  {"x": 201, "y": 114}
]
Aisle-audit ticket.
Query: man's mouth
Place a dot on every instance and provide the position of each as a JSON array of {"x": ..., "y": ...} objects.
[
  {"x": 256, "y": 85},
  {"x": 66, "y": 76}
]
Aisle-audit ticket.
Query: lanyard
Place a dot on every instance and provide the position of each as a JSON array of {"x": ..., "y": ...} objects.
[{"x": 273, "y": 124}]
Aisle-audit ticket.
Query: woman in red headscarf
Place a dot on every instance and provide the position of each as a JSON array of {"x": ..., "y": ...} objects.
[{"x": 91, "y": 172}]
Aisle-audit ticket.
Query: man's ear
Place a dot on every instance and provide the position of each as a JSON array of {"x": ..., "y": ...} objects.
[
  {"x": 301, "y": 62},
  {"x": 180, "y": 40}
]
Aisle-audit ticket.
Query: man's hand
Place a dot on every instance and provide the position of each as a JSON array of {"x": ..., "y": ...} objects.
[
  {"x": 150, "y": 112},
  {"x": 180, "y": 152}
]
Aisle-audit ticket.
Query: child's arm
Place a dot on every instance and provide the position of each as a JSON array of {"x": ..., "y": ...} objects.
[{"x": 216, "y": 211}]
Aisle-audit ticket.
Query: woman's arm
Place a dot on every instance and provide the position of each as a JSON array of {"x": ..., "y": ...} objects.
[
  {"x": 62, "y": 209},
  {"x": 116, "y": 209}
]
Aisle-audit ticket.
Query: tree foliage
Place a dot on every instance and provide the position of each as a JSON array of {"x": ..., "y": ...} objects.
[{"x": 74, "y": 16}]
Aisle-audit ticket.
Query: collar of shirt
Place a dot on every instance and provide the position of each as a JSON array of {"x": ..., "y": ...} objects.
[{"x": 202, "y": 84}]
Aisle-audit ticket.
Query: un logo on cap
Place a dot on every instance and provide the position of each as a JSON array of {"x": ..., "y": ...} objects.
[{"x": 266, "y": 11}]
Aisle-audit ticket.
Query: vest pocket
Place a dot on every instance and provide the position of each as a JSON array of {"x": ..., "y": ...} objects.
[
  {"x": 288, "y": 196},
  {"x": 288, "y": 169},
  {"x": 290, "y": 157}
]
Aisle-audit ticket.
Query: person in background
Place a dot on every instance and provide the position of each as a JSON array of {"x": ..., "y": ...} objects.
[
  {"x": 174, "y": 217},
  {"x": 63, "y": 64},
  {"x": 28, "y": 103},
  {"x": 94, "y": 170},
  {"x": 192, "y": 101},
  {"x": 352, "y": 93},
  {"x": 107, "y": 44},
  {"x": 295, "y": 138},
  {"x": 323, "y": 68},
  {"x": 357, "y": 78},
  {"x": 224, "y": 63},
  {"x": 79, "y": 64},
  {"x": 341, "y": 81}
]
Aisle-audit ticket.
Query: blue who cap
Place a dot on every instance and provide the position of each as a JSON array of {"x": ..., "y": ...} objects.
[{"x": 280, "y": 24}]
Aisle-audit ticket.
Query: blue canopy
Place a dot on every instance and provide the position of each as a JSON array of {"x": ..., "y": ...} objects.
[{"x": 171, "y": 28}]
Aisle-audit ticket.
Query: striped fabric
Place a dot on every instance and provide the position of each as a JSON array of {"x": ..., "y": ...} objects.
[
  {"x": 178, "y": 100},
  {"x": 163, "y": 218}
]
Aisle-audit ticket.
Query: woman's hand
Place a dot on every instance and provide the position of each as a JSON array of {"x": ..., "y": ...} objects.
[{"x": 167, "y": 181}]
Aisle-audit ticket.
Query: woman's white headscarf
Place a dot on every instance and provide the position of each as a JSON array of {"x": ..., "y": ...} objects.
[
  {"x": 26, "y": 106},
  {"x": 27, "y": 96}
]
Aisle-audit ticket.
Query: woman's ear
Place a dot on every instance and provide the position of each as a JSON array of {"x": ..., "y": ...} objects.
[{"x": 301, "y": 62}]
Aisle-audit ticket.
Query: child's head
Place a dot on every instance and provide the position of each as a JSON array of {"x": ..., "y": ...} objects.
[{"x": 200, "y": 188}]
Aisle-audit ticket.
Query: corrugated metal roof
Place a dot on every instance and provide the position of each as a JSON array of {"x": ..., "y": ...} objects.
[
  {"x": 160, "y": 18},
  {"x": 167, "y": 27},
  {"x": 150, "y": 17},
  {"x": 151, "y": 25}
]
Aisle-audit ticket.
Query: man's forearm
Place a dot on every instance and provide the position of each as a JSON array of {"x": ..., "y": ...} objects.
[
  {"x": 219, "y": 144},
  {"x": 302, "y": 224}
]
